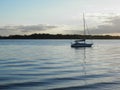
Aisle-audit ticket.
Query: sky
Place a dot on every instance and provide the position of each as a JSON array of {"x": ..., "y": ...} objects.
[{"x": 59, "y": 16}]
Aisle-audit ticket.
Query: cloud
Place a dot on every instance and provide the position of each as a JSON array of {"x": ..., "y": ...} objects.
[
  {"x": 21, "y": 29},
  {"x": 112, "y": 26},
  {"x": 39, "y": 27}
]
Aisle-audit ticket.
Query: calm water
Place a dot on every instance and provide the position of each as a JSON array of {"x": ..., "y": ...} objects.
[{"x": 54, "y": 65}]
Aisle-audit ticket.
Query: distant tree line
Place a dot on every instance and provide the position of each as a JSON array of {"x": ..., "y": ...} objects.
[{"x": 58, "y": 36}]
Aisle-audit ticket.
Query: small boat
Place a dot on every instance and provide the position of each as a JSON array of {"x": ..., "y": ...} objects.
[{"x": 82, "y": 42}]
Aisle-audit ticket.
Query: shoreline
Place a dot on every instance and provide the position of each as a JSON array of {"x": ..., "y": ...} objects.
[{"x": 59, "y": 36}]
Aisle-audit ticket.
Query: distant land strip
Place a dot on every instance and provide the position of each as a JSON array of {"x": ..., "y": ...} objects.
[{"x": 59, "y": 36}]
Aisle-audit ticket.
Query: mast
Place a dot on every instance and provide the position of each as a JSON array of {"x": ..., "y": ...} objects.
[{"x": 84, "y": 26}]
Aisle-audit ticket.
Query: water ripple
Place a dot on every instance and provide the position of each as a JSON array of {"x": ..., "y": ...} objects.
[{"x": 39, "y": 65}]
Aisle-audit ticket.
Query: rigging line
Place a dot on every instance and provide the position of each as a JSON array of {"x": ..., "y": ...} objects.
[{"x": 88, "y": 32}]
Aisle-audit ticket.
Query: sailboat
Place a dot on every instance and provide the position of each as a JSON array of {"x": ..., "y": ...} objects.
[{"x": 82, "y": 42}]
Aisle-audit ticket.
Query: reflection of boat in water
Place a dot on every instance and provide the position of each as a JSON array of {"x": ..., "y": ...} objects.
[
  {"x": 81, "y": 53},
  {"x": 82, "y": 42}
]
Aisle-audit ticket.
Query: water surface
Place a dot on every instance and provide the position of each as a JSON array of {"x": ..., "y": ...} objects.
[{"x": 53, "y": 65}]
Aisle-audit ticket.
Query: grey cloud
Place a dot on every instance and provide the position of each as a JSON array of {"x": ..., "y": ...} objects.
[
  {"x": 22, "y": 29},
  {"x": 39, "y": 27},
  {"x": 112, "y": 26},
  {"x": 7, "y": 28},
  {"x": 114, "y": 20},
  {"x": 73, "y": 32}
]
